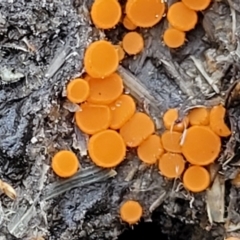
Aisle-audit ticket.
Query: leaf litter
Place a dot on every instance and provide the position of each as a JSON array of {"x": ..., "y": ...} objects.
[{"x": 41, "y": 48}]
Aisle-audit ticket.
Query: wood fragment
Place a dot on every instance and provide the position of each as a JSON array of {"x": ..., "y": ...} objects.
[
  {"x": 58, "y": 61},
  {"x": 19, "y": 222},
  {"x": 82, "y": 178},
  {"x": 137, "y": 89},
  {"x": 215, "y": 200},
  {"x": 131, "y": 173},
  {"x": 200, "y": 68},
  {"x": 231, "y": 227},
  {"x": 157, "y": 202},
  {"x": 233, "y": 95}
]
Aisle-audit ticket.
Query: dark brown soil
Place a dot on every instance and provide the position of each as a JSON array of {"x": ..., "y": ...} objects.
[{"x": 41, "y": 48}]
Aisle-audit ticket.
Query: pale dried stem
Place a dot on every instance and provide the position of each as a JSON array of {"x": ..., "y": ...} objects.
[
  {"x": 234, "y": 20},
  {"x": 157, "y": 202},
  {"x": 201, "y": 69}
]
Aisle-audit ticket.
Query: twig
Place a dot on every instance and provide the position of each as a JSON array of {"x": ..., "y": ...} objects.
[
  {"x": 157, "y": 202},
  {"x": 234, "y": 22},
  {"x": 204, "y": 73}
]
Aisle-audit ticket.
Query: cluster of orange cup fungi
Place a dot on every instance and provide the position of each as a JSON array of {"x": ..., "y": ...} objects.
[
  {"x": 192, "y": 145},
  {"x": 182, "y": 17},
  {"x": 110, "y": 117}
]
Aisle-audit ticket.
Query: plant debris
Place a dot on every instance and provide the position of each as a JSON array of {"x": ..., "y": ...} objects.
[{"x": 42, "y": 45}]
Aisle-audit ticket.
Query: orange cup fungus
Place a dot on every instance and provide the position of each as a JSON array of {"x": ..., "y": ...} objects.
[
  {"x": 197, "y": 5},
  {"x": 232, "y": 238},
  {"x": 201, "y": 145},
  {"x": 65, "y": 163},
  {"x": 174, "y": 38},
  {"x": 196, "y": 179},
  {"x": 150, "y": 149},
  {"x": 106, "y": 90},
  {"x": 127, "y": 23},
  {"x": 137, "y": 129},
  {"x": 107, "y": 149},
  {"x": 133, "y": 43},
  {"x": 131, "y": 212},
  {"x": 77, "y": 90},
  {"x": 145, "y": 13},
  {"x": 122, "y": 110},
  {"x": 169, "y": 120},
  {"x": 93, "y": 118},
  {"x": 120, "y": 51},
  {"x": 106, "y": 14},
  {"x": 101, "y": 59},
  {"x": 199, "y": 116},
  {"x": 182, "y": 17},
  {"x": 171, "y": 141},
  {"x": 217, "y": 123},
  {"x": 171, "y": 165}
]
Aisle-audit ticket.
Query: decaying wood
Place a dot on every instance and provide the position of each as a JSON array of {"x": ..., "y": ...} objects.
[
  {"x": 41, "y": 48},
  {"x": 215, "y": 202}
]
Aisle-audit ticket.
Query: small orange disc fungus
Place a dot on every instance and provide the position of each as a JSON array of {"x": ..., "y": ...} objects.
[
  {"x": 78, "y": 90},
  {"x": 150, "y": 150},
  {"x": 171, "y": 165},
  {"x": 199, "y": 116},
  {"x": 120, "y": 51},
  {"x": 181, "y": 17},
  {"x": 107, "y": 149},
  {"x": 137, "y": 129},
  {"x": 217, "y": 123},
  {"x": 101, "y": 59},
  {"x": 133, "y": 43},
  {"x": 122, "y": 110},
  {"x": 106, "y": 14},
  {"x": 174, "y": 38},
  {"x": 197, "y": 5},
  {"x": 201, "y": 145},
  {"x": 106, "y": 90},
  {"x": 171, "y": 141},
  {"x": 232, "y": 238},
  {"x": 128, "y": 24},
  {"x": 145, "y": 13},
  {"x": 93, "y": 118},
  {"x": 131, "y": 212},
  {"x": 196, "y": 179},
  {"x": 65, "y": 163},
  {"x": 169, "y": 120}
]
